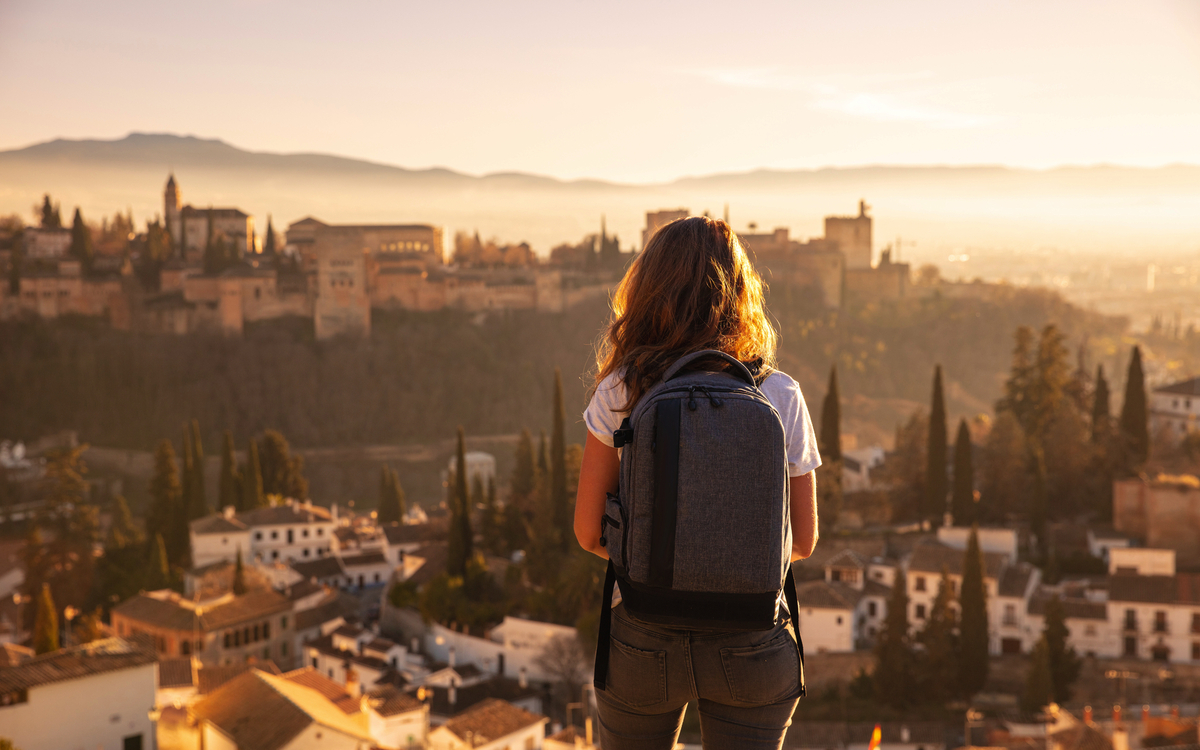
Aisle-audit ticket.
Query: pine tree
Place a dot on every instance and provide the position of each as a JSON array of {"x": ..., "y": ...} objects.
[
  {"x": 121, "y": 532},
  {"x": 1051, "y": 381},
  {"x": 1063, "y": 661},
  {"x": 158, "y": 568},
  {"x": 893, "y": 651},
  {"x": 941, "y": 646},
  {"x": 830, "y": 441},
  {"x": 1100, "y": 408},
  {"x": 81, "y": 242},
  {"x": 45, "y": 627},
  {"x": 559, "y": 504},
  {"x": 935, "y": 456},
  {"x": 1135, "y": 429},
  {"x": 524, "y": 473},
  {"x": 231, "y": 480},
  {"x": 198, "y": 497},
  {"x": 253, "y": 495},
  {"x": 1039, "y": 686},
  {"x": 239, "y": 575},
  {"x": 1038, "y": 501},
  {"x": 973, "y": 664},
  {"x": 461, "y": 540},
  {"x": 963, "y": 503},
  {"x": 1019, "y": 386}
]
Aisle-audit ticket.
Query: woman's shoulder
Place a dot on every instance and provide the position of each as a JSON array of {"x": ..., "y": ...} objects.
[{"x": 780, "y": 381}]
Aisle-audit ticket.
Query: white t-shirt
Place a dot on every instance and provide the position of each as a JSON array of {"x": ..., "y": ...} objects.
[{"x": 602, "y": 417}]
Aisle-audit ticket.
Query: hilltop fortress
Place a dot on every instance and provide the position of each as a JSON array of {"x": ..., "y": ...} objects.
[{"x": 214, "y": 273}]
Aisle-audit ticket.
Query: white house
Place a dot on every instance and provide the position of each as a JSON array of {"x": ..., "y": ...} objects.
[
  {"x": 1008, "y": 618},
  {"x": 491, "y": 725},
  {"x": 1175, "y": 410},
  {"x": 290, "y": 531},
  {"x": 925, "y": 568},
  {"x": 99, "y": 695},
  {"x": 1000, "y": 541},
  {"x": 857, "y": 465},
  {"x": 511, "y": 646},
  {"x": 350, "y": 646}
]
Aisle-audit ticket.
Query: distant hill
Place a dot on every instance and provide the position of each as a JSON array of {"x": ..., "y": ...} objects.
[{"x": 1099, "y": 207}]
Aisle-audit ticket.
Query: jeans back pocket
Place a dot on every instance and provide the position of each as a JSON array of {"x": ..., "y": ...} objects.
[
  {"x": 636, "y": 677},
  {"x": 763, "y": 674}
]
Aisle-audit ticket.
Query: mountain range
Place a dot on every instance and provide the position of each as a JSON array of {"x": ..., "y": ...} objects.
[{"x": 1074, "y": 208}]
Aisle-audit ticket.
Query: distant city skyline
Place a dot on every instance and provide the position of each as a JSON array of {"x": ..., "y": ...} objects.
[{"x": 626, "y": 92}]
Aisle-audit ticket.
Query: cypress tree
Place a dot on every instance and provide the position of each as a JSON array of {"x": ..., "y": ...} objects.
[
  {"x": 230, "y": 486},
  {"x": 493, "y": 520},
  {"x": 1064, "y": 663},
  {"x": 81, "y": 242},
  {"x": 269, "y": 243},
  {"x": 963, "y": 503},
  {"x": 239, "y": 575},
  {"x": 45, "y": 626},
  {"x": 460, "y": 514},
  {"x": 158, "y": 569},
  {"x": 1039, "y": 686},
  {"x": 1100, "y": 407},
  {"x": 892, "y": 677},
  {"x": 198, "y": 500},
  {"x": 166, "y": 500},
  {"x": 558, "y": 466},
  {"x": 51, "y": 218},
  {"x": 282, "y": 473},
  {"x": 935, "y": 455},
  {"x": 122, "y": 533},
  {"x": 1135, "y": 426},
  {"x": 973, "y": 664},
  {"x": 524, "y": 473},
  {"x": 252, "y": 480},
  {"x": 830, "y": 441},
  {"x": 941, "y": 646}
]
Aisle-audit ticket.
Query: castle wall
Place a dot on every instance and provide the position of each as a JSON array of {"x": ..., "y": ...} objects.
[
  {"x": 887, "y": 281},
  {"x": 342, "y": 304},
  {"x": 853, "y": 237}
]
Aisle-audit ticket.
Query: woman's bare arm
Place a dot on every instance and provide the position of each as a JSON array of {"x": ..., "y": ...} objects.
[
  {"x": 804, "y": 515},
  {"x": 599, "y": 475}
]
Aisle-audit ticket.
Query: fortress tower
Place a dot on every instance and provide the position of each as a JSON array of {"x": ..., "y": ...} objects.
[
  {"x": 172, "y": 203},
  {"x": 852, "y": 235}
]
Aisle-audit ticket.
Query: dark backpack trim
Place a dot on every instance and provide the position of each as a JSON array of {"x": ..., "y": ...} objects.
[{"x": 666, "y": 493}]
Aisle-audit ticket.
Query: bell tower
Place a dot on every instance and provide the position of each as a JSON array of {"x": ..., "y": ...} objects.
[{"x": 172, "y": 203}]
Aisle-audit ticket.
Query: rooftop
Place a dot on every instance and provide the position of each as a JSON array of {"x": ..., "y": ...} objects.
[
  {"x": 503, "y": 688},
  {"x": 491, "y": 720},
  {"x": 1015, "y": 580},
  {"x": 77, "y": 662},
  {"x": 1183, "y": 388},
  {"x": 932, "y": 557},
  {"x": 334, "y": 691},
  {"x": 259, "y": 711},
  {"x": 172, "y": 612}
]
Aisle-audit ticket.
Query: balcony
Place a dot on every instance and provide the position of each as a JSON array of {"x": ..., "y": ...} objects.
[
  {"x": 1131, "y": 625},
  {"x": 1161, "y": 627}
]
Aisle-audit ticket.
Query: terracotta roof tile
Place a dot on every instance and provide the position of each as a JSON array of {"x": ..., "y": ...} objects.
[
  {"x": 97, "y": 657},
  {"x": 491, "y": 720}
]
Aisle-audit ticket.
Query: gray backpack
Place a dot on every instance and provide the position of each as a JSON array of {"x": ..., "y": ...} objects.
[{"x": 699, "y": 535}]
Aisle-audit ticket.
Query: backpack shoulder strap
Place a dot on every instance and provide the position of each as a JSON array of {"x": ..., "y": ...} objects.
[
  {"x": 601, "y": 675},
  {"x": 736, "y": 367}
]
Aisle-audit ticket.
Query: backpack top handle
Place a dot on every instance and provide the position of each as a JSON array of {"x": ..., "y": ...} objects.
[{"x": 736, "y": 367}]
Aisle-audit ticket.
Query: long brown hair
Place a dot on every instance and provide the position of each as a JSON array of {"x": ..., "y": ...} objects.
[{"x": 691, "y": 288}]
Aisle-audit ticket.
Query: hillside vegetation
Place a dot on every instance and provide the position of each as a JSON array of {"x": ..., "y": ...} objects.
[{"x": 421, "y": 375}]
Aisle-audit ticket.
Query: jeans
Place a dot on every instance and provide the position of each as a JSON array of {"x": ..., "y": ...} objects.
[{"x": 746, "y": 685}]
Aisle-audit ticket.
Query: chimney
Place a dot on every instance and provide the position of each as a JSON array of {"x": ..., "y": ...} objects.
[
  {"x": 523, "y": 679},
  {"x": 227, "y": 511},
  {"x": 1120, "y": 739},
  {"x": 452, "y": 658},
  {"x": 352, "y": 685},
  {"x": 1116, "y": 714},
  {"x": 904, "y": 734},
  {"x": 1087, "y": 714}
]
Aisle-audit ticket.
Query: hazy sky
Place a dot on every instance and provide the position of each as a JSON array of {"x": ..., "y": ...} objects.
[{"x": 631, "y": 91}]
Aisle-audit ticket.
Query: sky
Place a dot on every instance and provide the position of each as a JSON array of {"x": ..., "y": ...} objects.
[{"x": 622, "y": 91}]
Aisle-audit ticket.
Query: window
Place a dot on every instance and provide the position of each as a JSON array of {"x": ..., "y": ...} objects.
[
  {"x": 919, "y": 585},
  {"x": 246, "y": 635},
  {"x": 258, "y": 536},
  {"x": 237, "y": 638},
  {"x": 320, "y": 532},
  {"x": 1130, "y": 645},
  {"x": 1196, "y": 622},
  {"x": 228, "y": 639},
  {"x": 1131, "y": 619},
  {"x": 305, "y": 553},
  {"x": 257, "y": 634},
  {"x": 1160, "y": 621},
  {"x": 275, "y": 554},
  {"x": 290, "y": 535},
  {"x": 1010, "y": 614},
  {"x": 920, "y": 611},
  {"x": 376, "y": 578},
  {"x": 1196, "y": 652},
  {"x": 185, "y": 648},
  {"x": 304, "y": 534},
  {"x": 871, "y": 608},
  {"x": 132, "y": 742},
  {"x": 283, "y": 622},
  {"x": 839, "y": 620},
  {"x": 314, "y": 662},
  {"x": 274, "y": 534},
  {"x": 266, "y": 627},
  {"x": 1089, "y": 630}
]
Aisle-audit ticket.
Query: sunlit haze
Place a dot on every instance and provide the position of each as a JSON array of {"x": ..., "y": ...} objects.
[{"x": 618, "y": 91}]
